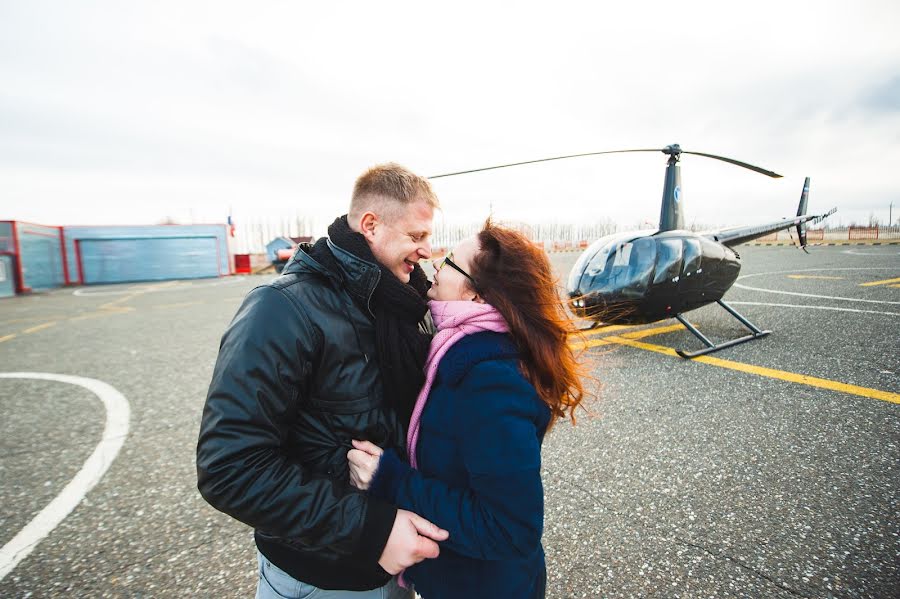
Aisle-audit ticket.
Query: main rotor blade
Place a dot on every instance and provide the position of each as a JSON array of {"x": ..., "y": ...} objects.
[
  {"x": 737, "y": 162},
  {"x": 490, "y": 168}
]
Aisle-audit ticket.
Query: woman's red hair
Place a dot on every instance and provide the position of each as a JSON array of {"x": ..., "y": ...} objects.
[{"x": 515, "y": 277}]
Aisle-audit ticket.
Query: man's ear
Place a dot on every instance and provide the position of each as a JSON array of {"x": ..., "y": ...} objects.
[{"x": 368, "y": 222}]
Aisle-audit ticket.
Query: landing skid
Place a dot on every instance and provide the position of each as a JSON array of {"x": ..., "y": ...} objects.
[
  {"x": 590, "y": 327},
  {"x": 713, "y": 347}
]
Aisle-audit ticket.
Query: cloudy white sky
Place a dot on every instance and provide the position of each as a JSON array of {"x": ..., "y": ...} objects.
[{"x": 130, "y": 112}]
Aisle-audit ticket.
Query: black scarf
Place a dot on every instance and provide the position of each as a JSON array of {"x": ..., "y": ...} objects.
[{"x": 399, "y": 309}]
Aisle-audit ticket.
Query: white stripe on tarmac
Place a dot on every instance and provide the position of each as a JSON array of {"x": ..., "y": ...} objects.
[
  {"x": 813, "y": 308},
  {"x": 831, "y": 297},
  {"x": 114, "y": 433},
  {"x": 856, "y": 253}
]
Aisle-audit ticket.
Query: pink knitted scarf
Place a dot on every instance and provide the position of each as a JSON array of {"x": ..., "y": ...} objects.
[{"x": 454, "y": 320}]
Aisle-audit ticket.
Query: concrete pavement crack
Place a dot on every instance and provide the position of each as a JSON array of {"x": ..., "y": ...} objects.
[
  {"x": 739, "y": 563},
  {"x": 129, "y": 565},
  {"x": 717, "y": 555}
]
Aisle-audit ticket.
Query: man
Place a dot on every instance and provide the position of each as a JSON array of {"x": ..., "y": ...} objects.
[{"x": 332, "y": 350}]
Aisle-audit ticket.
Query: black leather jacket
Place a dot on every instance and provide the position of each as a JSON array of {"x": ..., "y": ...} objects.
[{"x": 296, "y": 379}]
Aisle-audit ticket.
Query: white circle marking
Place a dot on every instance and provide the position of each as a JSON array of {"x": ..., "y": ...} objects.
[
  {"x": 844, "y": 299},
  {"x": 118, "y": 413}
]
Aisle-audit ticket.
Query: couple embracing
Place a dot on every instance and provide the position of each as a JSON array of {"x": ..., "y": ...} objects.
[{"x": 381, "y": 432}]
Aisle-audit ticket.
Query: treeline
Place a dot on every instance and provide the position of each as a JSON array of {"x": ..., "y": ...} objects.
[{"x": 251, "y": 236}]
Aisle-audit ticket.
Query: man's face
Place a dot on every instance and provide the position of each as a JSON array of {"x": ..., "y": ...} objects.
[{"x": 400, "y": 240}]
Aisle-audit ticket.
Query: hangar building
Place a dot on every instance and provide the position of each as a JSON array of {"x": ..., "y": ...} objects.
[{"x": 35, "y": 257}]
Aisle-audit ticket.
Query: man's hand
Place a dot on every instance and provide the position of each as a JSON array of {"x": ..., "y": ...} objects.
[
  {"x": 363, "y": 460},
  {"x": 412, "y": 540}
]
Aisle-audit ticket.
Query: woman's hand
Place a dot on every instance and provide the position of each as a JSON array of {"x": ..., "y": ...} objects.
[{"x": 363, "y": 458}]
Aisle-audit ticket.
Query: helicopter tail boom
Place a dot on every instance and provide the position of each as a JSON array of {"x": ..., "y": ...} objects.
[{"x": 738, "y": 235}]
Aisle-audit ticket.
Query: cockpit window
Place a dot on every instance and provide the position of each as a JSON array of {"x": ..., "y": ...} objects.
[
  {"x": 620, "y": 263},
  {"x": 669, "y": 263},
  {"x": 691, "y": 256},
  {"x": 598, "y": 263}
]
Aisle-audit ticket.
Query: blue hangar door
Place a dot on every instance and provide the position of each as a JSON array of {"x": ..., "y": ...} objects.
[{"x": 127, "y": 260}]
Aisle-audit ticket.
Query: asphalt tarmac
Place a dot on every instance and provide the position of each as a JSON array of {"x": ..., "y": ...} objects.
[{"x": 770, "y": 469}]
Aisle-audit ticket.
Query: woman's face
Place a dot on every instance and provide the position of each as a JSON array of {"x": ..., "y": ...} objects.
[{"x": 449, "y": 283}]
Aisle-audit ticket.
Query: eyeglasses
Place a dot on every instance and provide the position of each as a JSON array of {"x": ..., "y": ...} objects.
[{"x": 449, "y": 262}]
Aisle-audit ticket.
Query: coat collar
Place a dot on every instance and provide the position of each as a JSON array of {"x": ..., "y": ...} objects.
[
  {"x": 474, "y": 349},
  {"x": 360, "y": 277}
]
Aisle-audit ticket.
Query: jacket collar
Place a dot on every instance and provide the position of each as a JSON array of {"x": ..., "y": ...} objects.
[
  {"x": 474, "y": 349},
  {"x": 360, "y": 277}
]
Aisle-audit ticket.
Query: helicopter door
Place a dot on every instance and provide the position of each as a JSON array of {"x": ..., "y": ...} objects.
[
  {"x": 632, "y": 267},
  {"x": 668, "y": 262},
  {"x": 691, "y": 257}
]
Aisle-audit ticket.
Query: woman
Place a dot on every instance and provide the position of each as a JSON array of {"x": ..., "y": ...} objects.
[{"x": 499, "y": 373}]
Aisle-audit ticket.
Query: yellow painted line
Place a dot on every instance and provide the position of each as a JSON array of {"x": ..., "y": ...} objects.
[
  {"x": 178, "y": 305},
  {"x": 641, "y": 345},
  {"x": 24, "y": 319},
  {"x": 113, "y": 305},
  {"x": 39, "y": 327},
  {"x": 103, "y": 313},
  {"x": 894, "y": 286},
  {"x": 771, "y": 373},
  {"x": 814, "y": 277},
  {"x": 7, "y": 337},
  {"x": 589, "y": 344},
  {"x": 607, "y": 329},
  {"x": 634, "y": 335},
  {"x": 90, "y": 315},
  {"x": 655, "y": 331},
  {"x": 885, "y": 282}
]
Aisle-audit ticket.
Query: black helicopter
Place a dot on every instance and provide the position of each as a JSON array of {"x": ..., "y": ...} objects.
[{"x": 644, "y": 276}]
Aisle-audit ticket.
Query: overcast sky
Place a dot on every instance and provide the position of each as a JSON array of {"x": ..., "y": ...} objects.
[{"x": 130, "y": 112}]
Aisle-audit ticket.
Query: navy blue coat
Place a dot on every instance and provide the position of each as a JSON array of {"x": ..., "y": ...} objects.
[{"x": 479, "y": 457}]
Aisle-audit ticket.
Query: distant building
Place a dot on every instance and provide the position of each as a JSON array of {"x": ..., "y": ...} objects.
[
  {"x": 35, "y": 257},
  {"x": 277, "y": 249}
]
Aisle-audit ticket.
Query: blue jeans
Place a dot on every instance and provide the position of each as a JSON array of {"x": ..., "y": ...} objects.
[{"x": 275, "y": 583}]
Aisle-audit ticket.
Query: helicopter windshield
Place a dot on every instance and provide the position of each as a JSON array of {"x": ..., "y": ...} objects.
[
  {"x": 578, "y": 270},
  {"x": 621, "y": 262}
]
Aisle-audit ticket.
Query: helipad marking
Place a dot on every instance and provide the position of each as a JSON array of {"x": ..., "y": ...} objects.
[
  {"x": 846, "y": 299},
  {"x": 634, "y": 335},
  {"x": 815, "y": 277},
  {"x": 814, "y": 307},
  {"x": 766, "y": 372},
  {"x": 607, "y": 329},
  {"x": 177, "y": 305},
  {"x": 40, "y": 327},
  {"x": 114, "y": 433},
  {"x": 885, "y": 282},
  {"x": 857, "y": 253}
]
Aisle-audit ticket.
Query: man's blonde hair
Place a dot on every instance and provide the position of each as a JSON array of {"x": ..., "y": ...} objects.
[{"x": 385, "y": 188}]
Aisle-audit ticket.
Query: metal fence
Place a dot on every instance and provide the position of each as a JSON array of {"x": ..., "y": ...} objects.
[{"x": 252, "y": 236}]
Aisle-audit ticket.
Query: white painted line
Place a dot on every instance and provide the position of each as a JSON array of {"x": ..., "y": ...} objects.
[
  {"x": 856, "y": 253},
  {"x": 831, "y": 297},
  {"x": 814, "y": 308},
  {"x": 114, "y": 433}
]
